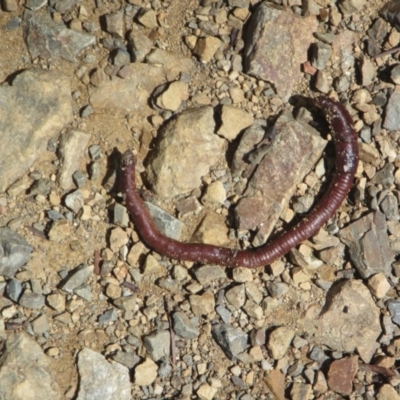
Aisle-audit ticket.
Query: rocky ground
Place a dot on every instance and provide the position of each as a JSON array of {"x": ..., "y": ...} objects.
[{"x": 212, "y": 96}]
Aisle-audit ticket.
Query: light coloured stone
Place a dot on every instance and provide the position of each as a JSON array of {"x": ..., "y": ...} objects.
[{"x": 146, "y": 373}]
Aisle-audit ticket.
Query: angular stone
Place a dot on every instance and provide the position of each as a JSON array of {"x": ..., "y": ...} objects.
[
  {"x": 270, "y": 30},
  {"x": 293, "y": 152},
  {"x": 233, "y": 341},
  {"x": 186, "y": 149},
  {"x": 33, "y": 110},
  {"x": 158, "y": 344},
  {"x": 145, "y": 373},
  {"x": 99, "y": 379},
  {"x": 24, "y": 368},
  {"x": 279, "y": 341},
  {"x": 350, "y": 313},
  {"x": 185, "y": 327},
  {"x": 49, "y": 39},
  {"x": 369, "y": 246},
  {"x": 15, "y": 252},
  {"x": 341, "y": 374},
  {"x": 166, "y": 223},
  {"x": 71, "y": 149}
]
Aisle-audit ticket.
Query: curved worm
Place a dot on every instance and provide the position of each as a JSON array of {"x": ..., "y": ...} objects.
[{"x": 346, "y": 149}]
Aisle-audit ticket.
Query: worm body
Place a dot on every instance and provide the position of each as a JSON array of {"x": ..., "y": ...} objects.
[{"x": 346, "y": 149}]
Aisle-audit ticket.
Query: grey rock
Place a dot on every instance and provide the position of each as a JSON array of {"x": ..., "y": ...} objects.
[
  {"x": 185, "y": 327},
  {"x": 115, "y": 23},
  {"x": 190, "y": 136},
  {"x": 79, "y": 178},
  {"x": 390, "y": 207},
  {"x": 158, "y": 344},
  {"x": 224, "y": 313},
  {"x": 208, "y": 273},
  {"x": 129, "y": 360},
  {"x": 392, "y": 114},
  {"x": 321, "y": 53},
  {"x": 42, "y": 186},
  {"x": 95, "y": 152},
  {"x": 391, "y": 12},
  {"x": 120, "y": 215},
  {"x": 394, "y": 309},
  {"x": 317, "y": 354},
  {"x": 84, "y": 291},
  {"x": 271, "y": 29},
  {"x": 24, "y": 365},
  {"x": 14, "y": 290},
  {"x": 108, "y": 316},
  {"x": 75, "y": 201},
  {"x": 165, "y": 222},
  {"x": 368, "y": 241},
  {"x": 63, "y": 5},
  {"x": 384, "y": 176},
  {"x": 139, "y": 45},
  {"x": 277, "y": 289},
  {"x": 76, "y": 278},
  {"x": 233, "y": 341},
  {"x": 164, "y": 370},
  {"x": 71, "y": 150},
  {"x": 14, "y": 252},
  {"x": 98, "y": 379},
  {"x": 33, "y": 109},
  {"x": 121, "y": 57},
  {"x": 31, "y": 300},
  {"x": 49, "y": 39}
]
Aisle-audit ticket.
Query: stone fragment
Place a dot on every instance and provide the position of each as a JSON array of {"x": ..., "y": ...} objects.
[
  {"x": 71, "y": 150},
  {"x": 49, "y": 39},
  {"x": 293, "y": 152},
  {"x": 279, "y": 341},
  {"x": 158, "y": 344},
  {"x": 351, "y": 313},
  {"x": 351, "y": 6},
  {"x": 206, "y": 47},
  {"x": 186, "y": 327},
  {"x": 233, "y": 121},
  {"x": 27, "y": 127},
  {"x": 236, "y": 296},
  {"x": 173, "y": 97},
  {"x": 209, "y": 273},
  {"x": 369, "y": 246},
  {"x": 59, "y": 230},
  {"x": 390, "y": 11},
  {"x": 75, "y": 201},
  {"x": 191, "y": 136},
  {"x": 212, "y": 230},
  {"x": 99, "y": 379},
  {"x": 145, "y": 373},
  {"x": 394, "y": 309},
  {"x": 341, "y": 374},
  {"x": 139, "y": 45},
  {"x": 166, "y": 223},
  {"x": 275, "y": 381},
  {"x": 40, "y": 325},
  {"x": 378, "y": 285},
  {"x": 56, "y": 301},
  {"x": 24, "y": 368},
  {"x": 31, "y": 300},
  {"x": 300, "y": 391},
  {"x": 15, "y": 252},
  {"x": 202, "y": 304},
  {"x": 270, "y": 30},
  {"x": 233, "y": 341},
  {"x": 152, "y": 266},
  {"x": 14, "y": 290},
  {"x": 117, "y": 93},
  {"x": 206, "y": 392},
  {"x": 148, "y": 18},
  {"x": 321, "y": 53},
  {"x": 115, "y": 24},
  {"x": 391, "y": 121},
  {"x": 215, "y": 194},
  {"x": 387, "y": 392},
  {"x": 76, "y": 278}
]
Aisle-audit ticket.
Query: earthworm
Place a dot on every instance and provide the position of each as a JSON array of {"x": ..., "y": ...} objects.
[{"x": 346, "y": 149}]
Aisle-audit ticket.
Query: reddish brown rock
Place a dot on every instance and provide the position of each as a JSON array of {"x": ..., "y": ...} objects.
[{"x": 341, "y": 374}]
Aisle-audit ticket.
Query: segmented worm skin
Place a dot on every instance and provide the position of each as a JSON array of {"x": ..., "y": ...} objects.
[{"x": 346, "y": 149}]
